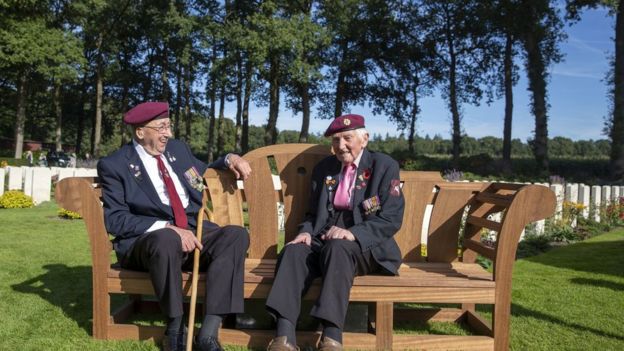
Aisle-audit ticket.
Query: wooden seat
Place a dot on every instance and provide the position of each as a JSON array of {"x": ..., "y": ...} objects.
[{"x": 440, "y": 240}]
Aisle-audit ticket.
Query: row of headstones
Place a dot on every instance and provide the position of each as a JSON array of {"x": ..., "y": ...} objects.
[
  {"x": 36, "y": 182},
  {"x": 593, "y": 198}
]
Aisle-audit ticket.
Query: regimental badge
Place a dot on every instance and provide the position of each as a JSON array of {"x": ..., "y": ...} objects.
[
  {"x": 136, "y": 171},
  {"x": 395, "y": 187},
  {"x": 330, "y": 182},
  {"x": 194, "y": 179},
  {"x": 346, "y": 121},
  {"x": 371, "y": 205}
]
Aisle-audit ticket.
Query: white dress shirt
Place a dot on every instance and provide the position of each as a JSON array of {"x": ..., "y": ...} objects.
[{"x": 151, "y": 167}]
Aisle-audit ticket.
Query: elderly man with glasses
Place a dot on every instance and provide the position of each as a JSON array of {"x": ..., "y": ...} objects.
[
  {"x": 356, "y": 207},
  {"x": 152, "y": 193}
]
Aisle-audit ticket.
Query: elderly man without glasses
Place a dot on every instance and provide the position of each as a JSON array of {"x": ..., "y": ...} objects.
[
  {"x": 356, "y": 207},
  {"x": 152, "y": 193}
]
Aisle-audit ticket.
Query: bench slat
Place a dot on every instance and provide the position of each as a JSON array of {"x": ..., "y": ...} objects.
[
  {"x": 495, "y": 199},
  {"x": 480, "y": 248},
  {"x": 485, "y": 223}
]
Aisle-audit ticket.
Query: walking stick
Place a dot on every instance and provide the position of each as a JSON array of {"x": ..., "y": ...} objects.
[{"x": 195, "y": 278}]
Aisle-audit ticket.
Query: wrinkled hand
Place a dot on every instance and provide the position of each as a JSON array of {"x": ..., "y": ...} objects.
[
  {"x": 338, "y": 233},
  {"x": 189, "y": 240},
  {"x": 239, "y": 166},
  {"x": 305, "y": 238}
]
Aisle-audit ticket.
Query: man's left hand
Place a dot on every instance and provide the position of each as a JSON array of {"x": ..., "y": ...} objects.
[
  {"x": 239, "y": 166},
  {"x": 338, "y": 233}
]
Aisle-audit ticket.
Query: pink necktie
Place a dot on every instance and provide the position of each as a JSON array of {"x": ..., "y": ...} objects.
[{"x": 342, "y": 200}]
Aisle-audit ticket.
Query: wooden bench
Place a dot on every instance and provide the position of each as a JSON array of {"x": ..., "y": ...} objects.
[{"x": 451, "y": 215}]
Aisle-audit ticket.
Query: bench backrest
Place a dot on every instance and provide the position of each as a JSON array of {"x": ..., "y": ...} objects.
[{"x": 432, "y": 203}]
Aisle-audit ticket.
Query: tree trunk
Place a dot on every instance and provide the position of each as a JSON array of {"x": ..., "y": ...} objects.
[
  {"x": 97, "y": 127},
  {"x": 21, "y": 116},
  {"x": 270, "y": 136},
  {"x": 617, "y": 125},
  {"x": 221, "y": 125},
  {"x": 165, "y": 74},
  {"x": 81, "y": 118},
  {"x": 246, "y": 99},
  {"x": 536, "y": 72},
  {"x": 453, "y": 105},
  {"x": 176, "y": 122},
  {"x": 239, "y": 102},
  {"x": 124, "y": 107},
  {"x": 59, "y": 115},
  {"x": 188, "y": 78},
  {"x": 413, "y": 116},
  {"x": 508, "y": 76},
  {"x": 305, "y": 109},
  {"x": 340, "y": 87},
  {"x": 212, "y": 93}
]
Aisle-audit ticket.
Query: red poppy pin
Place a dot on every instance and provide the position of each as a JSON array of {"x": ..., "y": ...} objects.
[{"x": 366, "y": 173}]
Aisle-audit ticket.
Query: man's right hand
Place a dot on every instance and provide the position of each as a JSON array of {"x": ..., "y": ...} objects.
[
  {"x": 189, "y": 240},
  {"x": 305, "y": 238}
]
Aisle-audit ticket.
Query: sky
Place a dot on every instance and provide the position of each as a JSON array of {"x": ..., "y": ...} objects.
[{"x": 577, "y": 93}]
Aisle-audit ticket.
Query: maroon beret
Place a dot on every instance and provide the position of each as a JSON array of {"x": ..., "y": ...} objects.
[
  {"x": 343, "y": 123},
  {"x": 146, "y": 112}
]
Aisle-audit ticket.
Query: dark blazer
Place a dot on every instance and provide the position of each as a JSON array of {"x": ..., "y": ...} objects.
[
  {"x": 131, "y": 204},
  {"x": 377, "y": 174}
]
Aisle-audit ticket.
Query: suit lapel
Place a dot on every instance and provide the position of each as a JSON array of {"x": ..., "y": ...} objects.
[
  {"x": 332, "y": 173},
  {"x": 361, "y": 182},
  {"x": 143, "y": 180}
]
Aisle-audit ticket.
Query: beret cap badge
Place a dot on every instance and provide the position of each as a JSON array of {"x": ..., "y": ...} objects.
[{"x": 346, "y": 122}]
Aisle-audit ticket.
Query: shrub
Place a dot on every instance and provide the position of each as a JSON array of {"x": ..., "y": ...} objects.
[
  {"x": 533, "y": 244},
  {"x": 67, "y": 214},
  {"x": 15, "y": 199}
]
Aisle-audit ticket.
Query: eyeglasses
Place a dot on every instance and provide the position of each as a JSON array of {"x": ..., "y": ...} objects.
[{"x": 162, "y": 129}]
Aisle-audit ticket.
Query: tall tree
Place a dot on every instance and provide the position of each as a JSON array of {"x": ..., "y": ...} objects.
[
  {"x": 406, "y": 69},
  {"x": 541, "y": 34},
  {"x": 615, "y": 123},
  {"x": 463, "y": 50}
]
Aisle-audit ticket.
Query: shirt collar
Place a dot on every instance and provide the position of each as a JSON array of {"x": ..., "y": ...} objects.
[
  {"x": 356, "y": 162},
  {"x": 141, "y": 151}
]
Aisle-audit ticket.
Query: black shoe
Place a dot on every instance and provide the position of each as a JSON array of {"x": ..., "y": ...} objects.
[
  {"x": 208, "y": 344},
  {"x": 175, "y": 342}
]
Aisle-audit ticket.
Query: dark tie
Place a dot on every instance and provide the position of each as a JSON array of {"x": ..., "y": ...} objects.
[{"x": 174, "y": 199}]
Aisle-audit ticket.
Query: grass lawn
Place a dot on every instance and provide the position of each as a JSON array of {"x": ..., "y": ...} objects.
[{"x": 571, "y": 298}]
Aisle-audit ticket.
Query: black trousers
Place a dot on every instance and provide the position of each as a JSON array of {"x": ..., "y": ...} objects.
[
  {"x": 336, "y": 261},
  {"x": 222, "y": 258}
]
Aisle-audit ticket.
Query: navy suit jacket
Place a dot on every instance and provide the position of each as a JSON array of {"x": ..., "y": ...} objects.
[
  {"x": 377, "y": 174},
  {"x": 131, "y": 204}
]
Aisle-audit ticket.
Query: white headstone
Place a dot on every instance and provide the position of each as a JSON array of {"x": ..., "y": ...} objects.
[
  {"x": 615, "y": 194},
  {"x": 85, "y": 172},
  {"x": 2, "y": 178},
  {"x": 606, "y": 195},
  {"x": 571, "y": 192},
  {"x": 584, "y": 199},
  {"x": 42, "y": 184},
  {"x": 28, "y": 180},
  {"x": 55, "y": 170},
  {"x": 15, "y": 178},
  {"x": 595, "y": 201},
  {"x": 558, "y": 190},
  {"x": 65, "y": 173}
]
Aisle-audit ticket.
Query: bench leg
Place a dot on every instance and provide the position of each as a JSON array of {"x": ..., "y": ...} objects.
[
  {"x": 384, "y": 316},
  {"x": 500, "y": 326},
  {"x": 101, "y": 314}
]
